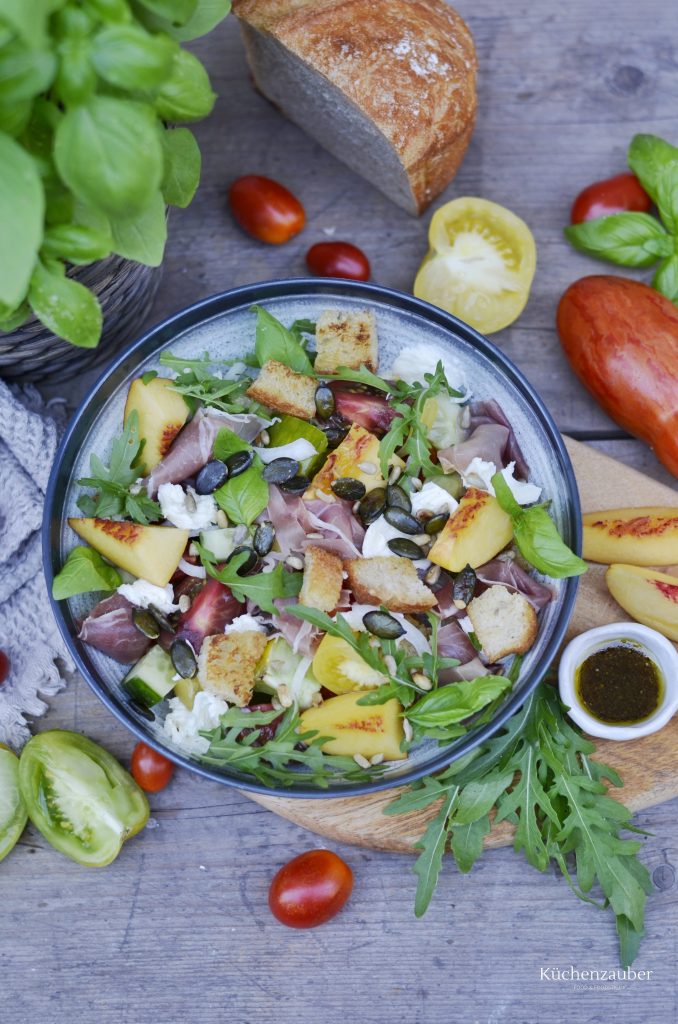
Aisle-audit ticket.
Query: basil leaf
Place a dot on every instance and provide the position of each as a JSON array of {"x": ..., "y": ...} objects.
[
  {"x": 76, "y": 78},
  {"x": 76, "y": 243},
  {"x": 142, "y": 236},
  {"x": 207, "y": 15},
  {"x": 619, "y": 238},
  {"x": 22, "y": 208},
  {"x": 129, "y": 58},
  {"x": 84, "y": 571},
  {"x": 667, "y": 196},
  {"x": 537, "y": 537},
  {"x": 666, "y": 278},
  {"x": 274, "y": 341},
  {"x": 64, "y": 306},
  {"x": 227, "y": 443},
  {"x": 10, "y": 319},
  {"x": 245, "y": 496},
  {"x": 451, "y": 704},
  {"x": 27, "y": 18},
  {"x": 648, "y": 156},
  {"x": 182, "y": 166},
  {"x": 109, "y": 154},
  {"x": 176, "y": 11},
  {"x": 186, "y": 95},
  {"x": 24, "y": 72}
]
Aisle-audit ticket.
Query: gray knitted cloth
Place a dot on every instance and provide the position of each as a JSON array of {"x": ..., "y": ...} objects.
[{"x": 28, "y": 632}]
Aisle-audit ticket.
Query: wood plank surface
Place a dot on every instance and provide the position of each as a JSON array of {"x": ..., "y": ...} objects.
[{"x": 177, "y": 929}]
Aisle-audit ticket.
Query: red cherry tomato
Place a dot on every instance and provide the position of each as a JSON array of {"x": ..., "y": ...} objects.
[
  {"x": 338, "y": 259},
  {"x": 150, "y": 769},
  {"x": 614, "y": 195},
  {"x": 265, "y": 209},
  {"x": 5, "y": 665},
  {"x": 310, "y": 889}
]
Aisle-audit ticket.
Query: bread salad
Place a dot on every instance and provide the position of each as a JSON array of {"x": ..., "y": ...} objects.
[{"x": 311, "y": 567}]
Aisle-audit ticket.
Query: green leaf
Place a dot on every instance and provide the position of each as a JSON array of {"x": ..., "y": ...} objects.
[
  {"x": 25, "y": 72},
  {"x": 186, "y": 95},
  {"x": 362, "y": 376},
  {"x": 263, "y": 588},
  {"x": 466, "y": 842},
  {"x": 76, "y": 79},
  {"x": 429, "y": 862},
  {"x": 630, "y": 939},
  {"x": 176, "y": 11},
  {"x": 207, "y": 16},
  {"x": 453, "y": 703},
  {"x": 245, "y": 496},
  {"x": 537, "y": 537},
  {"x": 665, "y": 279},
  {"x": 10, "y": 319},
  {"x": 27, "y": 18},
  {"x": 76, "y": 244},
  {"x": 129, "y": 58},
  {"x": 182, "y": 166},
  {"x": 479, "y": 796},
  {"x": 84, "y": 571},
  {"x": 108, "y": 152},
  {"x": 667, "y": 196},
  {"x": 620, "y": 238},
  {"x": 149, "y": 376},
  {"x": 22, "y": 208},
  {"x": 113, "y": 483},
  {"x": 64, "y": 306},
  {"x": 274, "y": 341},
  {"x": 142, "y": 236},
  {"x": 227, "y": 443},
  {"x": 648, "y": 156}
]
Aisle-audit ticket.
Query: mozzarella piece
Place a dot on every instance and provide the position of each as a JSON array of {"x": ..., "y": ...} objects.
[
  {"x": 141, "y": 593},
  {"x": 300, "y": 450},
  {"x": 479, "y": 474},
  {"x": 244, "y": 624},
  {"x": 186, "y": 509},
  {"x": 182, "y": 725},
  {"x": 431, "y": 497},
  {"x": 413, "y": 362},
  {"x": 525, "y": 493}
]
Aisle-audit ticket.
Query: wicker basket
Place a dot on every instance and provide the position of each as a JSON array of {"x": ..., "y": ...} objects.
[{"x": 125, "y": 290}]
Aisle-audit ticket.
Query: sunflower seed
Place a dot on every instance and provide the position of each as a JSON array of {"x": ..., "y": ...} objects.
[
  {"x": 190, "y": 502},
  {"x": 294, "y": 563},
  {"x": 367, "y": 467},
  {"x": 416, "y": 483},
  {"x": 314, "y": 536},
  {"x": 422, "y": 681},
  {"x": 361, "y": 761},
  {"x": 184, "y": 603},
  {"x": 284, "y": 695},
  {"x": 394, "y": 474},
  {"x": 390, "y": 663},
  {"x": 432, "y": 575},
  {"x": 316, "y": 699},
  {"x": 407, "y": 729},
  {"x": 193, "y": 550},
  {"x": 265, "y": 437},
  {"x": 222, "y": 519},
  {"x": 377, "y": 759}
]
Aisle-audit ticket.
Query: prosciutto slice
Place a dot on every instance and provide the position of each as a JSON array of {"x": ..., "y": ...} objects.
[
  {"x": 491, "y": 412},
  {"x": 454, "y": 643},
  {"x": 512, "y": 576},
  {"x": 300, "y": 635},
  {"x": 110, "y": 629},
  {"x": 294, "y": 519},
  {"x": 193, "y": 446},
  {"x": 489, "y": 441}
]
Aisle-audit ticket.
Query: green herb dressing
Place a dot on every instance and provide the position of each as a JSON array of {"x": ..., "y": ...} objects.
[{"x": 620, "y": 683}]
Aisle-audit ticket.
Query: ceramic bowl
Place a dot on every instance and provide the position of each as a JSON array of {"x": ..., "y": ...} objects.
[
  {"x": 656, "y": 646},
  {"x": 224, "y": 326}
]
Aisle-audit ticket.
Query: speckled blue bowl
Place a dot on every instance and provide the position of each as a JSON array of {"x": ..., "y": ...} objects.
[{"x": 224, "y": 326}]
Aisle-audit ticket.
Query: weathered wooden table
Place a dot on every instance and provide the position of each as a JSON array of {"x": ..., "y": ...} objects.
[{"x": 177, "y": 929}]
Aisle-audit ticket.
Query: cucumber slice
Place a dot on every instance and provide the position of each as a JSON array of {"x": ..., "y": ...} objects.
[
  {"x": 288, "y": 429},
  {"x": 13, "y": 813},
  {"x": 152, "y": 678},
  {"x": 186, "y": 689},
  {"x": 218, "y": 542}
]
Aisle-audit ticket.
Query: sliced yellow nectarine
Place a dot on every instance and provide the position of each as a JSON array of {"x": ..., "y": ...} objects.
[
  {"x": 149, "y": 552},
  {"x": 648, "y": 596},
  {"x": 636, "y": 536},
  {"x": 475, "y": 532},
  {"x": 356, "y": 728},
  {"x": 162, "y": 413}
]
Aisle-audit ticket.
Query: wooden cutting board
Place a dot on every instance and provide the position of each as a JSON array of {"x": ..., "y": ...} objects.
[{"x": 647, "y": 766}]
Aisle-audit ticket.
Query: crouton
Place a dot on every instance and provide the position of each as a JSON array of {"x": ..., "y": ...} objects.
[
  {"x": 357, "y": 456},
  {"x": 284, "y": 390},
  {"x": 504, "y": 622},
  {"x": 227, "y": 664},
  {"x": 346, "y": 339},
  {"x": 391, "y": 581},
  {"x": 323, "y": 579}
]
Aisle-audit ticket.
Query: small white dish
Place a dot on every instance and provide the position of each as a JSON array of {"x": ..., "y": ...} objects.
[{"x": 656, "y": 646}]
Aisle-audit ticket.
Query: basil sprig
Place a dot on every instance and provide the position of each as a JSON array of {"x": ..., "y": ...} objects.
[{"x": 639, "y": 239}]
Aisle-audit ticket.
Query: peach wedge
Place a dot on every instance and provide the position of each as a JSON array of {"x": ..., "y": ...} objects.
[
  {"x": 150, "y": 552},
  {"x": 648, "y": 596},
  {"x": 162, "y": 413},
  {"x": 635, "y": 536}
]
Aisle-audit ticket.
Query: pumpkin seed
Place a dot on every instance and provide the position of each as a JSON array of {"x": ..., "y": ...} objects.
[
  {"x": 436, "y": 523},
  {"x": 402, "y": 520},
  {"x": 372, "y": 505},
  {"x": 250, "y": 562},
  {"x": 463, "y": 587},
  {"x": 383, "y": 625},
  {"x": 211, "y": 477},
  {"x": 297, "y": 484},
  {"x": 142, "y": 710},
  {"x": 396, "y": 497},
  {"x": 183, "y": 658},
  {"x": 161, "y": 619},
  {"x": 238, "y": 462},
  {"x": 280, "y": 471},
  {"x": 324, "y": 401},
  {"x": 264, "y": 535},
  {"x": 348, "y": 488},
  {"x": 405, "y": 548},
  {"x": 145, "y": 623}
]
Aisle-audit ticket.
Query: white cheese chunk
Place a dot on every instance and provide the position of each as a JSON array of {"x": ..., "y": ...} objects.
[
  {"x": 300, "y": 450},
  {"x": 186, "y": 509},
  {"x": 182, "y": 725},
  {"x": 413, "y": 362},
  {"x": 431, "y": 498},
  {"x": 141, "y": 593},
  {"x": 479, "y": 474},
  {"x": 244, "y": 624}
]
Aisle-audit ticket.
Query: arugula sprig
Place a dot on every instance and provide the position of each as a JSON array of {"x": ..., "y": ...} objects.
[
  {"x": 113, "y": 483},
  {"x": 263, "y": 587},
  {"x": 280, "y": 760},
  {"x": 537, "y": 774},
  {"x": 198, "y": 384},
  {"x": 407, "y": 434}
]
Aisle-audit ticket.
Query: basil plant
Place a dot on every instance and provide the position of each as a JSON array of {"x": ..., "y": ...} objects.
[{"x": 91, "y": 92}]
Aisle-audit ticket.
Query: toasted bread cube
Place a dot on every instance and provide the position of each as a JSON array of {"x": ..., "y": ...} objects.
[
  {"x": 284, "y": 390},
  {"x": 357, "y": 456},
  {"x": 323, "y": 579},
  {"x": 504, "y": 622},
  {"x": 227, "y": 664},
  {"x": 346, "y": 339},
  {"x": 391, "y": 581}
]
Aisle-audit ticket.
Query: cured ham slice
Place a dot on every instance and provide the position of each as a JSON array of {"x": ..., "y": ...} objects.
[
  {"x": 110, "y": 629},
  {"x": 511, "y": 575}
]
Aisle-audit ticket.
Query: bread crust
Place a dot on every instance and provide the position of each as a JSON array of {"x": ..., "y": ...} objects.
[{"x": 408, "y": 65}]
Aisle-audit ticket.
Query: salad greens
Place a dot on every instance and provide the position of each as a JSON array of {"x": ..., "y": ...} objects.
[
  {"x": 198, "y": 384},
  {"x": 274, "y": 341},
  {"x": 537, "y": 774},
  {"x": 262, "y": 587},
  {"x": 83, "y": 572},
  {"x": 245, "y": 496}
]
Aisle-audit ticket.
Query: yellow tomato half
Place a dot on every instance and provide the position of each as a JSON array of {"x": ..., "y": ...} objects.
[
  {"x": 338, "y": 668},
  {"x": 480, "y": 264}
]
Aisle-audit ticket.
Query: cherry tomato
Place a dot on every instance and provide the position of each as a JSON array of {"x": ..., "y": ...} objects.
[
  {"x": 338, "y": 259},
  {"x": 266, "y": 209},
  {"x": 5, "y": 665},
  {"x": 614, "y": 195},
  {"x": 150, "y": 769},
  {"x": 310, "y": 889}
]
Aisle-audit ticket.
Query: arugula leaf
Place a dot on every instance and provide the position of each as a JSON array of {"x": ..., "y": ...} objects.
[
  {"x": 197, "y": 383},
  {"x": 274, "y": 341},
  {"x": 432, "y": 845},
  {"x": 84, "y": 571},
  {"x": 244, "y": 496},
  {"x": 263, "y": 587},
  {"x": 537, "y": 537},
  {"x": 648, "y": 156},
  {"x": 620, "y": 238},
  {"x": 362, "y": 376},
  {"x": 301, "y": 329}
]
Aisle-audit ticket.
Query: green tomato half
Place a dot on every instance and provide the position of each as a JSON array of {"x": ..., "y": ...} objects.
[
  {"x": 81, "y": 799},
  {"x": 13, "y": 813}
]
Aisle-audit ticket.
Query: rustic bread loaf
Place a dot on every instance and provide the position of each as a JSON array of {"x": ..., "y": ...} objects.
[{"x": 387, "y": 86}]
